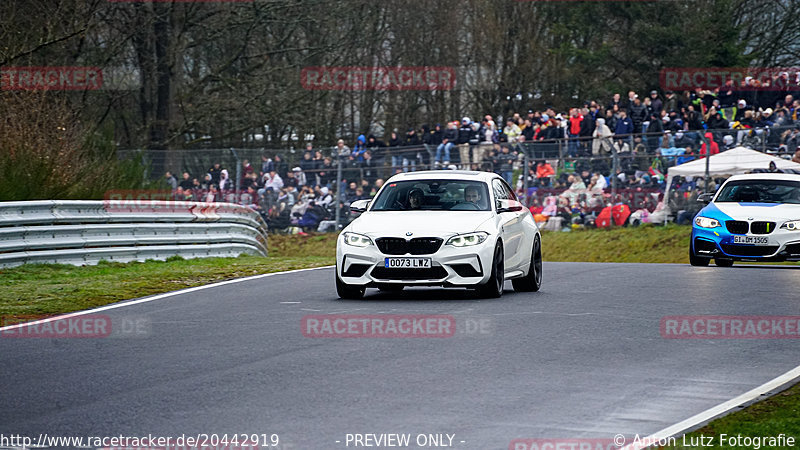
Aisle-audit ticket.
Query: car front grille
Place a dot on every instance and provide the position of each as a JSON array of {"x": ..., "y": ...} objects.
[
  {"x": 762, "y": 227},
  {"x": 432, "y": 273},
  {"x": 749, "y": 250},
  {"x": 737, "y": 226},
  {"x": 416, "y": 246}
]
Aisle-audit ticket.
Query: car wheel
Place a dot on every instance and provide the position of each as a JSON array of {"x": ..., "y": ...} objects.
[
  {"x": 533, "y": 280},
  {"x": 391, "y": 287},
  {"x": 723, "y": 262},
  {"x": 697, "y": 260},
  {"x": 494, "y": 287},
  {"x": 348, "y": 291}
]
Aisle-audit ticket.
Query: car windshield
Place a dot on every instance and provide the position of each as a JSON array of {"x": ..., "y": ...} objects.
[
  {"x": 760, "y": 191},
  {"x": 434, "y": 195}
]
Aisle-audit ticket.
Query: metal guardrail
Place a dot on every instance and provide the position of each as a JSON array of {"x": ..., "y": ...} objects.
[{"x": 86, "y": 232}]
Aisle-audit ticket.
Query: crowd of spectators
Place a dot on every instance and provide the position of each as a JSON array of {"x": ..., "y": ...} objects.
[{"x": 570, "y": 171}]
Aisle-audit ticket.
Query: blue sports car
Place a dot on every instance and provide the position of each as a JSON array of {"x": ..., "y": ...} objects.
[{"x": 753, "y": 217}]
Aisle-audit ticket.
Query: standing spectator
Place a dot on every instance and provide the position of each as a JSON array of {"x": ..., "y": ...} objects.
[
  {"x": 266, "y": 165},
  {"x": 368, "y": 170},
  {"x": 655, "y": 102},
  {"x": 357, "y": 155},
  {"x": 587, "y": 130},
  {"x": 505, "y": 161},
  {"x": 465, "y": 135},
  {"x": 341, "y": 150},
  {"x": 397, "y": 158},
  {"x": 712, "y": 144},
  {"x": 281, "y": 168},
  {"x": 574, "y": 131},
  {"x": 638, "y": 114},
  {"x": 631, "y": 97},
  {"x": 171, "y": 181},
  {"x": 602, "y": 138},
  {"x": 225, "y": 183},
  {"x": 615, "y": 102},
  {"x": 376, "y": 146},
  {"x": 655, "y": 131},
  {"x": 308, "y": 167},
  {"x": 436, "y": 135},
  {"x": 443, "y": 150},
  {"x": 671, "y": 105},
  {"x": 488, "y": 135},
  {"x": 186, "y": 182},
  {"x": 215, "y": 171},
  {"x": 624, "y": 128},
  {"x": 327, "y": 172},
  {"x": 410, "y": 155}
]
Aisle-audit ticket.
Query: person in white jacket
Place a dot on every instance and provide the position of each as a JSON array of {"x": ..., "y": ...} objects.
[{"x": 602, "y": 138}]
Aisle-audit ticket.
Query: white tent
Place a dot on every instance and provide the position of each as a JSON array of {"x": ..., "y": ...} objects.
[{"x": 734, "y": 161}]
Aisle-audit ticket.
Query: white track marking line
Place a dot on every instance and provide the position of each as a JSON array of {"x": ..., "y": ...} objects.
[
  {"x": 156, "y": 297},
  {"x": 682, "y": 427}
]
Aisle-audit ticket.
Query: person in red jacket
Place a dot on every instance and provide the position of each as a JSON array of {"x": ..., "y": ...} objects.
[
  {"x": 575, "y": 119},
  {"x": 714, "y": 146},
  {"x": 543, "y": 173}
]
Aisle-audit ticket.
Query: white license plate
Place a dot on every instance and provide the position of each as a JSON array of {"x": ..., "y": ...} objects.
[
  {"x": 407, "y": 263},
  {"x": 753, "y": 240}
]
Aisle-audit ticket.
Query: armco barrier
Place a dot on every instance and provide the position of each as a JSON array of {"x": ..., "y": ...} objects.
[{"x": 86, "y": 232}]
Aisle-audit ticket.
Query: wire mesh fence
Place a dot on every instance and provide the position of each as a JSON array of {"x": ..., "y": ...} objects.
[{"x": 578, "y": 175}]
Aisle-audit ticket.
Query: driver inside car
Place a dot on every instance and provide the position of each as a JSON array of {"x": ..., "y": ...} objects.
[
  {"x": 415, "y": 197},
  {"x": 472, "y": 195}
]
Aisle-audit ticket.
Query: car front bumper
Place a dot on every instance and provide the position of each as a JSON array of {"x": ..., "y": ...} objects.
[
  {"x": 783, "y": 245},
  {"x": 450, "y": 266}
]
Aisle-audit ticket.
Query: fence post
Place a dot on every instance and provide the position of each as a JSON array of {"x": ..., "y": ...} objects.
[
  {"x": 339, "y": 199},
  {"x": 614, "y": 166},
  {"x": 526, "y": 161},
  {"x": 238, "y": 174}
]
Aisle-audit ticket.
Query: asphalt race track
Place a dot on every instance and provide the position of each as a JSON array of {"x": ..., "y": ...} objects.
[{"x": 583, "y": 358}]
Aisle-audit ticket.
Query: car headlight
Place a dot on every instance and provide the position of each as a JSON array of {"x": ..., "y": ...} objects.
[
  {"x": 792, "y": 225},
  {"x": 706, "y": 222},
  {"x": 357, "y": 240},
  {"x": 465, "y": 240}
]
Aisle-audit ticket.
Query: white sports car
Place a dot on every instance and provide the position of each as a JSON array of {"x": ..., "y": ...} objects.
[
  {"x": 440, "y": 228},
  {"x": 753, "y": 217}
]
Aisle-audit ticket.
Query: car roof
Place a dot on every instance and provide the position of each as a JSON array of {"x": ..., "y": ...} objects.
[
  {"x": 445, "y": 175},
  {"x": 766, "y": 176}
]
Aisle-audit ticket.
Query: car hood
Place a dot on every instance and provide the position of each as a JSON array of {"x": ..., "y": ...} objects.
[
  {"x": 759, "y": 211},
  {"x": 420, "y": 223}
]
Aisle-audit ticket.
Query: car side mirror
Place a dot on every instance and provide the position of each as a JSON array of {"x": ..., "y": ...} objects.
[
  {"x": 705, "y": 198},
  {"x": 505, "y": 205},
  {"x": 359, "y": 206}
]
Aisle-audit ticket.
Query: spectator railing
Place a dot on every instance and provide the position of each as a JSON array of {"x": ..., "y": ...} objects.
[{"x": 86, "y": 232}]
